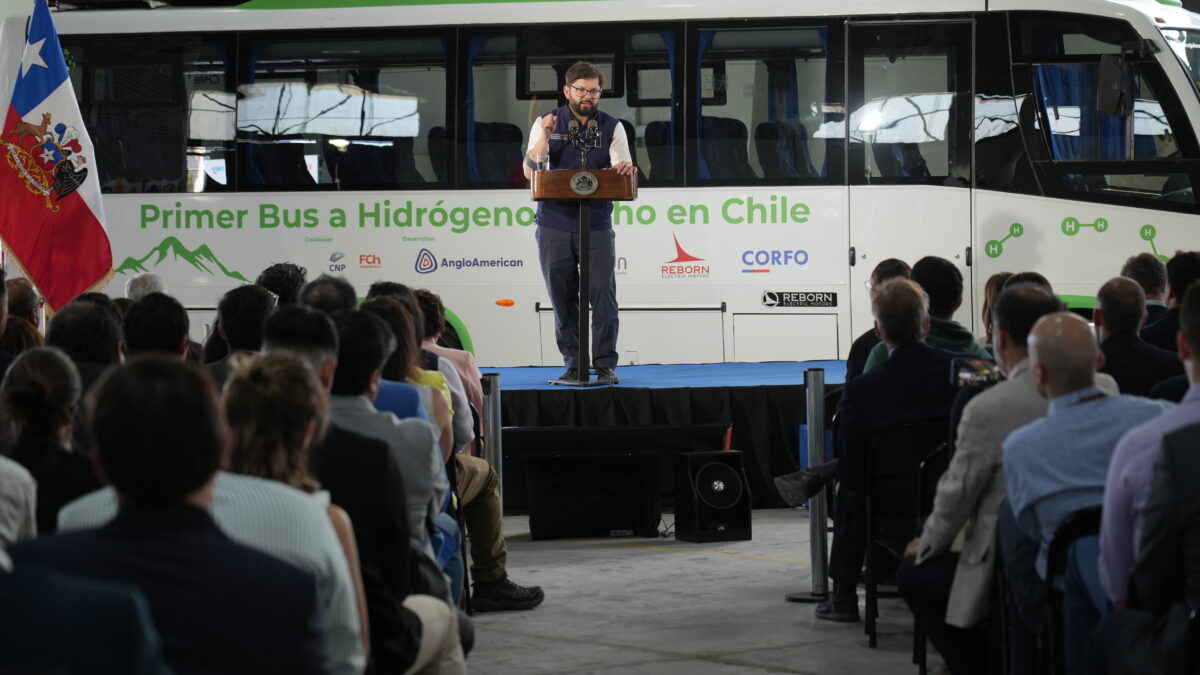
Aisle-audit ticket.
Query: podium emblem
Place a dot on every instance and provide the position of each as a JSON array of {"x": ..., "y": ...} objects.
[{"x": 584, "y": 183}]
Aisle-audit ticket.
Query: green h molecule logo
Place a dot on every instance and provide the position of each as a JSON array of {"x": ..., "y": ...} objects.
[
  {"x": 1148, "y": 233},
  {"x": 1070, "y": 226},
  {"x": 995, "y": 247}
]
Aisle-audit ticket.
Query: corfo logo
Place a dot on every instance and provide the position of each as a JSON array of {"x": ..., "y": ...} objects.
[
  {"x": 799, "y": 299},
  {"x": 683, "y": 266},
  {"x": 761, "y": 262},
  {"x": 426, "y": 262}
]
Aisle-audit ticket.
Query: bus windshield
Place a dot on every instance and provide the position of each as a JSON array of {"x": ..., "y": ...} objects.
[{"x": 1186, "y": 45}]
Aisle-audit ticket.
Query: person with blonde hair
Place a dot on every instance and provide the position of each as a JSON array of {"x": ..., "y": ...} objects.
[{"x": 277, "y": 410}]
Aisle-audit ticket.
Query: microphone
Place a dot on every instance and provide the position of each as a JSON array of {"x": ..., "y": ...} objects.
[{"x": 573, "y": 131}]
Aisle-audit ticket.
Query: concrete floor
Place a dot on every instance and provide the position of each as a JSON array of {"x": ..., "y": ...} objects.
[{"x": 632, "y": 605}]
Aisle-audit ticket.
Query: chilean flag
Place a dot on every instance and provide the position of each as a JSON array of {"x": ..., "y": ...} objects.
[{"x": 51, "y": 218}]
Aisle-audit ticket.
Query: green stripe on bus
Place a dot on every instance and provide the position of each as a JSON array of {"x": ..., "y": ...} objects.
[
  {"x": 1078, "y": 301},
  {"x": 341, "y": 4},
  {"x": 461, "y": 328},
  {"x": 1172, "y": 3}
]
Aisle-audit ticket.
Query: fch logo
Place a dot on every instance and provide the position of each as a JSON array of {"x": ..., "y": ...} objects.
[
  {"x": 426, "y": 262},
  {"x": 369, "y": 261},
  {"x": 334, "y": 265}
]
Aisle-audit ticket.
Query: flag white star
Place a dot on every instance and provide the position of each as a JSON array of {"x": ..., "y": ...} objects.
[
  {"x": 48, "y": 156},
  {"x": 32, "y": 57}
]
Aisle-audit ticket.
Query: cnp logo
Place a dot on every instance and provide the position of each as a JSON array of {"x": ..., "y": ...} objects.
[
  {"x": 369, "y": 261},
  {"x": 426, "y": 262},
  {"x": 334, "y": 265},
  {"x": 761, "y": 262}
]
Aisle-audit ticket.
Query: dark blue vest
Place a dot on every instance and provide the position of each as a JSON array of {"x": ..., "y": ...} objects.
[{"x": 565, "y": 215}]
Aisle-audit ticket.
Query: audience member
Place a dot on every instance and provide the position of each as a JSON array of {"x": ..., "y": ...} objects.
[
  {"x": 1157, "y": 633},
  {"x": 240, "y": 316},
  {"x": 55, "y": 623},
  {"x": 1055, "y": 466},
  {"x": 871, "y": 403},
  {"x": 1029, "y": 278},
  {"x": 18, "y": 503},
  {"x": 1182, "y": 271},
  {"x": 285, "y": 280},
  {"x": 886, "y": 270},
  {"x": 90, "y": 336},
  {"x": 991, "y": 291},
  {"x": 5, "y": 357},
  {"x": 1127, "y": 487},
  {"x": 122, "y": 305},
  {"x": 276, "y": 410},
  {"x": 950, "y": 592},
  {"x": 24, "y": 302},
  {"x": 159, "y": 441},
  {"x": 1148, "y": 270},
  {"x": 1135, "y": 365},
  {"x": 157, "y": 323},
  {"x": 364, "y": 478},
  {"x": 329, "y": 294},
  {"x": 141, "y": 285},
  {"x": 104, "y": 302},
  {"x": 39, "y": 398},
  {"x": 397, "y": 393},
  {"x": 434, "y": 312},
  {"x": 1172, "y": 389},
  {"x": 18, "y": 336},
  {"x": 943, "y": 283}
]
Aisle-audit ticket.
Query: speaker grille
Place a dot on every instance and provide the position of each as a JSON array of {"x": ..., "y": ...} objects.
[{"x": 718, "y": 485}]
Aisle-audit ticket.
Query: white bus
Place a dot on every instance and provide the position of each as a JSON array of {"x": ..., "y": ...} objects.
[{"x": 781, "y": 154}]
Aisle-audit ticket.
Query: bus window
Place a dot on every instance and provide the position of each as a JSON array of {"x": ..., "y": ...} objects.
[
  {"x": 1001, "y": 161},
  {"x": 1145, "y": 156},
  {"x": 159, "y": 109},
  {"x": 1186, "y": 45},
  {"x": 341, "y": 113},
  {"x": 515, "y": 76},
  {"x": 910, "y": 114},
  {"x": 768, "y": 106}
]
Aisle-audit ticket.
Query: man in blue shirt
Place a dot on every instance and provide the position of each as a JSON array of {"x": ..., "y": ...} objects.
[
  {"x": 1057, "y": 465},
  {"x": 558, "y": 222}
]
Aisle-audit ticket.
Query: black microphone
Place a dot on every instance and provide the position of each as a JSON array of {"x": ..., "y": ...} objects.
[
  {"x": 593, "y": 134},
  {"x": 573, "y": 131}
]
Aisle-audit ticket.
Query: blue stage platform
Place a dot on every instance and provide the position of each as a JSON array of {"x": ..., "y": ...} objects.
[
  {"x": 764, "y": 404},
  {"x": 773, "y": 374}
]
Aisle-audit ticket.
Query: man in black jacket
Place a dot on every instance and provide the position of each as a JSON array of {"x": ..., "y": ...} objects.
[
  {"x": 1134, "y": 364},
  {"x": 1182, "y": 271}
]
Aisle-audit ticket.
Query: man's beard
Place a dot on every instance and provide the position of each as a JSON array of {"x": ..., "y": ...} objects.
[{"x": 578, "y": 110}]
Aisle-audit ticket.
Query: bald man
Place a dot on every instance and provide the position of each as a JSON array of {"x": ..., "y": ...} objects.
[
  {"x": 1055, "y": 466},
  {"x": 1135, "y": 364}
]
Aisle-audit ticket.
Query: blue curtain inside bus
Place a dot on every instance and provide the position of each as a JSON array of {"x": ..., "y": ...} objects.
[{"x": 1067, "y": 96}]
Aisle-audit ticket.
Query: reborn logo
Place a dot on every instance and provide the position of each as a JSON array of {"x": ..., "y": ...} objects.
[
  {"x": 680, "y": 267},
  {"x": 426, "y": 262}
]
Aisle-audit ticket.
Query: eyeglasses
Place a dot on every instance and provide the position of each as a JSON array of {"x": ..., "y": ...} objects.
[{"x": 594, "y": 93}]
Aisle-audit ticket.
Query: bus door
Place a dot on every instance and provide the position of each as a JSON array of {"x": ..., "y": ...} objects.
[{"x": 909, "y": 164}]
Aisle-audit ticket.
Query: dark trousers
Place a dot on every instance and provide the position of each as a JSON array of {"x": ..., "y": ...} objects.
[
  {"x": 1026, "y": 591},
  {"x": 926, "y": 589},
  {"x": 849, "y": 538},
  {"x": 558, "y": 253},
  {"x": 1085, "y": 602}
]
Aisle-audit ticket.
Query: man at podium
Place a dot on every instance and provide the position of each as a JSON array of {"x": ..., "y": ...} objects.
[{"x": 551, "y": 147}]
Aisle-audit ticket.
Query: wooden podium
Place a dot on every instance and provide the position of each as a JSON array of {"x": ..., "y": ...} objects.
[{"x": 583, "y": 185}]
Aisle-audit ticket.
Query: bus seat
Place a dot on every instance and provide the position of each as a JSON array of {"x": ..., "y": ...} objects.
[
  {"x": 274, "y": 163},
  {"x": 723, "y": 145},
  {"x": 659, "y": 150},
  {"x": 366, "y": 164},
  {"x": 783, "y": 150},
  {"x": 439, "y": 153},
  {"x": 497, "y": 150},
  {"x": 631, "y": 136},
  {"x": 899, "y": 160}
]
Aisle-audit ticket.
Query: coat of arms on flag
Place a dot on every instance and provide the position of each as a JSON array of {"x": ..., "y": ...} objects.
[{"x": 51, "y": 216}]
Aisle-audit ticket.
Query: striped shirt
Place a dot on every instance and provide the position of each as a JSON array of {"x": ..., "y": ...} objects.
[
  {"x": 278, "y": 520},
  {"x": 18, "y": 503}
]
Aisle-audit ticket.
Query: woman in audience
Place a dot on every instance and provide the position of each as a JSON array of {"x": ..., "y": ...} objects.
[
  {"x": 38, "y": 397},
  {"x": 991, "y": 290},
  {"x": 18, "y": 336},
  {"x": 277, "y": 410}
]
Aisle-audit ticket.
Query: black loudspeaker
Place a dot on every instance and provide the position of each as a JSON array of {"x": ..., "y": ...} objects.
[
  {"x": 712, "y": 497},
  {"x": 593, "y": 497}
]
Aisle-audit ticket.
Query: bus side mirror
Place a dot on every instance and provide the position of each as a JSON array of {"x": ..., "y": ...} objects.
[{"x": 1110, "y": 92}]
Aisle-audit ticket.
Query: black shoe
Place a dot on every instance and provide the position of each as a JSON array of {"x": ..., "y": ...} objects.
[
  {"x": 797, "y": 488},
  {"x": 606, "y": 375},
  {"x": 570, "y": 374},
  {"x": 503, "y": 595},
  {"x": 841, "y": 606}
]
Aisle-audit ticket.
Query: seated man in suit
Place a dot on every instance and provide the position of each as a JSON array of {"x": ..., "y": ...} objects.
[
  {"x": 1056, "y": 465},
  {"x": 1151, "y": 274},
  {"x": 1135, "y": 365},
  {"x": 240, "y": 316},
  {"x": 1183, "y": 269},
  {"x": 159, "y": 437},
  {"x": 947, "y": 590},
  {"x": 912, "y": 385}
]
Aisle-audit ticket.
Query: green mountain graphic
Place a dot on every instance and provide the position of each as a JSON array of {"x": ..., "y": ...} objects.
[{"x": 202, "y": 259}]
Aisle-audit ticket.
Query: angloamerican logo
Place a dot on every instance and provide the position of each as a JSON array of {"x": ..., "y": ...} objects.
[
  {"x": 427, "y": 262},
  {"x": 684, "y": 265}
]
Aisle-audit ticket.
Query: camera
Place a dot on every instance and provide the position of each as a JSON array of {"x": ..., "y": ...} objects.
[{"x": 966, "y": 372}]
